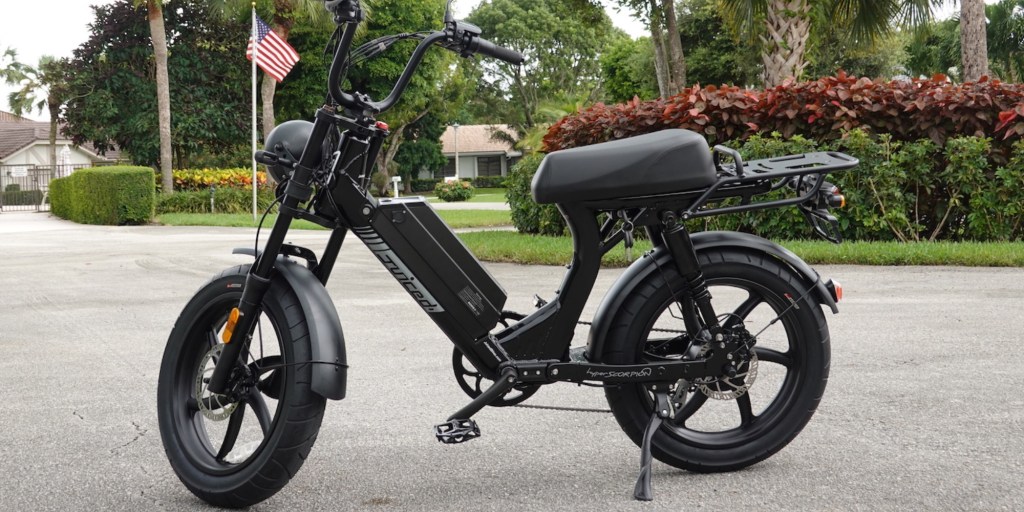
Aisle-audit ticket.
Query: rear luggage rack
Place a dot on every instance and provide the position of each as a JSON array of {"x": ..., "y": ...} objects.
[{"x": 746, "y": 179}]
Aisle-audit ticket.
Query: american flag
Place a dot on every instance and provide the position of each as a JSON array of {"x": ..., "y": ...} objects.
[{"x": 276, "y": 57}]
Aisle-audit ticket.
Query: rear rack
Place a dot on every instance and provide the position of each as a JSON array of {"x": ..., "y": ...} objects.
[{"x": 744, "y": 180}]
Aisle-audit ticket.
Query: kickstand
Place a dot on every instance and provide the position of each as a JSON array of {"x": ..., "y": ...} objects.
[{"x": 642, "y": 490}]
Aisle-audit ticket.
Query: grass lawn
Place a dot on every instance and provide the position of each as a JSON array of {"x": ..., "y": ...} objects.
[
  {"x": 482, "y": 195},
  {"x": 540, "y": 250},
  {"x": 454, "y": 218},
  {"x": 512, "y": 247}
]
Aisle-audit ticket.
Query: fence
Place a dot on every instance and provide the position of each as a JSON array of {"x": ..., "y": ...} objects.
[{"x": 26, "y": 187}]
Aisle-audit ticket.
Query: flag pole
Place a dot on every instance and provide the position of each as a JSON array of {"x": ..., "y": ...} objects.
[{"x": 255, "y": 53}]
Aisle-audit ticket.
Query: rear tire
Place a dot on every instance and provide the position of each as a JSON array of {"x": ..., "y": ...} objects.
[
  {"x": 268, "y": 434},
  {"x": 709, "y": 435}
]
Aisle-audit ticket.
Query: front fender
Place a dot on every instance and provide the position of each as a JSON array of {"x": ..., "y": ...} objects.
[
  {"x": 327, "y": 342},
  {"x": 703, "y": 241}
]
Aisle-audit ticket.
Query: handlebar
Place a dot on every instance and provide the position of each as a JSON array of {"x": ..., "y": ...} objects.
[
  {"x": 485, "y": 47},
  {"x": 460, "y": 37}
]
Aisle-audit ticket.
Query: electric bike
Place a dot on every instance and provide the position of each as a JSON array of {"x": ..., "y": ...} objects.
[{"x": 712, "y": 348}]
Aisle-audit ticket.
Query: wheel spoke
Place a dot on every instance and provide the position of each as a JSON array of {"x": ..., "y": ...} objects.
[
  {"x": 192, "y": 404},
  {"x": 773, "y": 356},
  {"x": 690, "y": 408},
  {"x": 746, "y": 412},
  {"x": 259, "y": 407},
  {"x": 234, "y": 427},
  {"x": 211, "y": 338},
  {"x": 743, "y": 310}
]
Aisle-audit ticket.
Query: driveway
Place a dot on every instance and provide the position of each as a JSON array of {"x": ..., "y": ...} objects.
[{"x": 923, "y": 411}]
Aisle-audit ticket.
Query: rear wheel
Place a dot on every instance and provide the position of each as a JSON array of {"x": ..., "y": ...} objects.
[
  {"x": 725, "y": 423},
  {"x": 238, "y": 449}
]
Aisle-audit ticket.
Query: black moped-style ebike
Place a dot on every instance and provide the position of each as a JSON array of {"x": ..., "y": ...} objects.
[{"x": 712, "y": 347}]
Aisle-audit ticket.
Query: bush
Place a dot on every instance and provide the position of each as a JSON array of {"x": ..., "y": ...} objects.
[
  {"x": 18, "y": 197},
  {"x": 203, "y": 179},
  {"x": 107, "y": 195},
  {"x": 902, "y": 190},
  {"x": 424, "y": 185},
  {"x": 226, "y": 200},
  {"x": 821, "y": 110},
  {"x": 452, "y": 191},
  {"x": 489, "y": 182},
  {"x": 527, "y": 215},
  {"x": 12, "y": 187}
]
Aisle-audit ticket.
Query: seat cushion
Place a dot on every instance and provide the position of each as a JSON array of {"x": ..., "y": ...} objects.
[{"x": 657, "y": 163}]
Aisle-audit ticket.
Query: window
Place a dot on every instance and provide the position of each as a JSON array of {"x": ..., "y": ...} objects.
[
  {"x": 447, "y": 171},
  {"x": 488, "y": 166}
]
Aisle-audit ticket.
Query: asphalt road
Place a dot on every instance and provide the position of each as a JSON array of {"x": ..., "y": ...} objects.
[{"x": 923, "y": 410}]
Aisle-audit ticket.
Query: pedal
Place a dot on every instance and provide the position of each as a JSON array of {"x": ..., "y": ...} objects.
[{"x": 457, "y": 431}]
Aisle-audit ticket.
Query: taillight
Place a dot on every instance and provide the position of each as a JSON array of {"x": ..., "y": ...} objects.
[{"x": 836, "y": 289}]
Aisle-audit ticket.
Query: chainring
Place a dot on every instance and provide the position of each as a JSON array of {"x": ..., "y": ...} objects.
[{"x": 473, "y": 383}]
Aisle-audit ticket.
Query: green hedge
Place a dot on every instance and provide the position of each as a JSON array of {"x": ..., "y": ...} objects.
[
  {"x": 18, "y": 197},
  {"x": 107, "y": 195},
  {"x": 226, "y": 200},
  {"x": 903, "y": 190}
]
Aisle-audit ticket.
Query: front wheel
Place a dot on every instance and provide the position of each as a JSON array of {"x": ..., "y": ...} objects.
[
  {"x": 724, "y": 423},
  {"x": 238, "y": 449}
]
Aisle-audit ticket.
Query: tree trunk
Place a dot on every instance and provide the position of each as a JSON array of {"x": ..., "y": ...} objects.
[
  {"x": 54, "y": 108},
  {"x": 660, "y": 61},
  {"x": 267, "y": 90},
  {"x": 973, "y": 40},
  {"x": 155, "y": 13},
  {"x": 788, "y": 26},
  {"x": 676, "y": 59}
]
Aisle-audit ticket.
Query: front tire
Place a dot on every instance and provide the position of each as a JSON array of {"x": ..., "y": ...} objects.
[
  {"x": 792, "y": 362},
  {"x": 238, "y": 454}
]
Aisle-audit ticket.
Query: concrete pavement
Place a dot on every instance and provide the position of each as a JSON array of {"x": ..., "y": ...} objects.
[{"x": 923, "y": 411}]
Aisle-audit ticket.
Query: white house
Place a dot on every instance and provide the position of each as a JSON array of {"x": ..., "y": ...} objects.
[
  {"x": 27, "y": 143},
  {"x": 479, "y": 155}
]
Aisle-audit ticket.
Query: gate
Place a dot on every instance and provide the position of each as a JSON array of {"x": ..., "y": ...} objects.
[{"x": 24, "y": 187}]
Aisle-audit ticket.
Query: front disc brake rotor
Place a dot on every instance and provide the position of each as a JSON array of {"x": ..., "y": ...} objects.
[{"x": 213, "y": 406}]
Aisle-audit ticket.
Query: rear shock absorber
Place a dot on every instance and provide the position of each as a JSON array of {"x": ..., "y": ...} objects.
[{"x": 680, "y": 246}]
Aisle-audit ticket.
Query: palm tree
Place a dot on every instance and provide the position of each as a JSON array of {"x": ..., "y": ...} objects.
[
  {"x": 155, "y": 15},
  {"x": 40, "y": 87},
  {"x": 973, "y": 40},
  {"x": 786, "y": 25}
]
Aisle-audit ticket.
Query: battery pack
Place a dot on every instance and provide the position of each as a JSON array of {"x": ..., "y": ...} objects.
[{"x": 435, "y": 267}]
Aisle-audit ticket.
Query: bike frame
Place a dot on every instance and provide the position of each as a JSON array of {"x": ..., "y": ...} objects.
[{"x": 536, "y": 348}]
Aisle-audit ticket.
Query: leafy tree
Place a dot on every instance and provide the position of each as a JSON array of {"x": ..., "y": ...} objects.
[
  {"x": 628, "y": 70},
  {"x": 561, "y": 41},
  {"x": 283, "y": 16},
  {"x": 936, "y": 49},
  {"x": 669, "y": 61},
  {"x": 112, "y": 94},
  {"x": 421, "y": 149},
  {"x": 1006, "y": 38},
  {"x": 714, "y": 56},
  {"x": 42, "y": 86}
]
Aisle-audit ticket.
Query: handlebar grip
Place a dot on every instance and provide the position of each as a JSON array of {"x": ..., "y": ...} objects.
[{"x": 485, "y": 47}]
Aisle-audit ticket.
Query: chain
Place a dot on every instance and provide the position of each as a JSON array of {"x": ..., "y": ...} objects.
[
  {"x": 653, "y": 329},
  {"x": 557, "y": 408}
]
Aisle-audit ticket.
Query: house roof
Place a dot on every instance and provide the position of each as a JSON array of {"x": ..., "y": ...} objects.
[
  {"x": 9, "y": 117},
  {"x": 475, "y": 139},
  {"x": 18, "y": 135}
]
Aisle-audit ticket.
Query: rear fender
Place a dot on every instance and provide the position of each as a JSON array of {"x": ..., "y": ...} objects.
[{"x": 703, "y": 241}]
